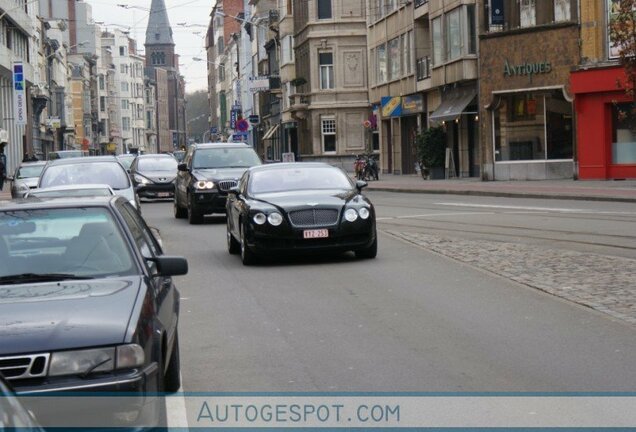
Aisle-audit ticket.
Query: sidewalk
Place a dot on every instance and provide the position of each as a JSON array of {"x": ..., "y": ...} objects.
[{"x": 592, "y": 190}]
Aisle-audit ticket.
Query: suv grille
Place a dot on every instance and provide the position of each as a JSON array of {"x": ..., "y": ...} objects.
[
  {"x": 313, "y": 217},
  {"x": 226, "y": 185},
  {"x": 26, "y": 366}
]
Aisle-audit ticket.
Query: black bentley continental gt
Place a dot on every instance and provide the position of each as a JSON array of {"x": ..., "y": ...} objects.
[{"x": 298, "y": 207}]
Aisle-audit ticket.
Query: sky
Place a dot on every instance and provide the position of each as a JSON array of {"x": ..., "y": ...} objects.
[{"x": 190, "y": 41}]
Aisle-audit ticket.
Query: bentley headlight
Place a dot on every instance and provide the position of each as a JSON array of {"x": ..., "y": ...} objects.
[
  {"x": 351, "y": 215},
  {"x": 96, "y": 360},
  {"x": 364, "y": 213},
  {"x": 259, "y": 218},
  {"x": 204, "y": 184},
  {"x": 141, "y": 179},
  {"x": 275, "y": 219}
]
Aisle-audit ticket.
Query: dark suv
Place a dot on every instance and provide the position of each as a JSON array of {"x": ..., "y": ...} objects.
[{"x": 208, "y": 171}]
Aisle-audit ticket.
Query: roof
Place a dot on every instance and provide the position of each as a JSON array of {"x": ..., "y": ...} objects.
[
  {"x": 277, "y": 166},
  {"x": 221, "y": 145},
  {"x": 155, "y": 156},
  {"x": 82, "y": 160},
  {"x": 35, "y": 163},
  {"x": 158, "y": 31},
  {"x": 66, "y": 202}
]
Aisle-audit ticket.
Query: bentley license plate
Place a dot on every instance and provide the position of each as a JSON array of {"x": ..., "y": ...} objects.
[
  {"x": 163, "y": 194},
  {"x": 312, "y": 234}
]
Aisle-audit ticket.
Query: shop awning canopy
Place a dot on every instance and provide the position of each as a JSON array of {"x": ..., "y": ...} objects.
[
  {"x": 270, "y": 132},
  {"x": 454, "y": 102}
]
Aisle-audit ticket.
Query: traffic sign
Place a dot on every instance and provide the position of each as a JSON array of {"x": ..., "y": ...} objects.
[
  {"x": 242, "y": 125},
  {"x": 254, "y": 119}
]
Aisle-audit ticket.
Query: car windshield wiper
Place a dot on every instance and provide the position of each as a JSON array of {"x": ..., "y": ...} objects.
[{"x": 40, "y": 277}]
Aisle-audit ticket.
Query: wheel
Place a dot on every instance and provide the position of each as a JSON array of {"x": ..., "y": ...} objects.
[
  {"x": 179, "y": 212},
  {"x": 172, "y": 377},
  {"x": 195, "y": 217},
  {"x": 247, "y": 256},
  {"x": 370, "y": 252},
  {"x": 233, "y": 246}
]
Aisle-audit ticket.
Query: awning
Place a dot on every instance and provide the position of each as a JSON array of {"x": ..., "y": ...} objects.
[
  {"x": 270, "y": 132},
  {"x": 454, "y": 102}
]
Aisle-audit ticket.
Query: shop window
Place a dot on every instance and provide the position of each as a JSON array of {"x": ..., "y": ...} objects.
[
  {"x": 623, "y": 134},
  {"x": 561, "y": 10},
  {"x": 328, "y": 129},
  {"x": 528, "y": 16},
  {"x": 375, "y": 138},
  {"x": 511, "y": 14},
  {"x": 533, "y": 127}
]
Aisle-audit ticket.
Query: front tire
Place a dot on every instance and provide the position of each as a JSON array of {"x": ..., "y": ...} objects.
[
  {"x": 370, "y": 252},
  {"x": 247, "y": 256},
  {"x": 233, "y": 246},
  {"x": 195, "y": 217},
  {"x": 172, "y": 378},
  {"x": 179, "y": 212}
]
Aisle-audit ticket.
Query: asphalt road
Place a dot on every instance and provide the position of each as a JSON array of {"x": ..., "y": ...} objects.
[{"x": 409, "y": 320}]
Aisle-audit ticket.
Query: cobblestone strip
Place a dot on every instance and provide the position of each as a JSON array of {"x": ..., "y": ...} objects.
[{"x": 604, "y": 283}]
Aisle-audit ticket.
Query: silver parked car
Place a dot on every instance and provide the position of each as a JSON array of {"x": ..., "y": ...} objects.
[
  {"x": 25, "y": 178},
  {"x": 90, "y": 170}
]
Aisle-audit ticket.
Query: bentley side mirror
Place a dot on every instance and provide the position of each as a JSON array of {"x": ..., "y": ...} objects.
[
  {"x": 361, "y": 184},
  {"x": 182, "y": 167}
]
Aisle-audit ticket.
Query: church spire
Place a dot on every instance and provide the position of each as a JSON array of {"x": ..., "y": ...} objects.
[{"x": 159, "y": 31}]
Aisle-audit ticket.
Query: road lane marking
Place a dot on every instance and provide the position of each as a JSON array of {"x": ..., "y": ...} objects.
[
  {"x": 433, "y": 215},
  {"x": 539, "y": 209}
]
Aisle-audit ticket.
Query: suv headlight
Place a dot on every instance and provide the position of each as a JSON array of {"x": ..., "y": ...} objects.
[
  {"x": 141, "y": 179},
  {"x": 96, "y": 360},
  {"x": 204, "y": 184}
]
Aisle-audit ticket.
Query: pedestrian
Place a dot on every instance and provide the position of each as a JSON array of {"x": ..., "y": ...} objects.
[
  {"x": 34, "y": 158},
  {"x": 26, "y": 158},
  {"x": 3, "y": 173}
]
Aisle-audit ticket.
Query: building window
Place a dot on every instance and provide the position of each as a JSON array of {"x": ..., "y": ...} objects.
[
  {"x": 623, "y": 134},
  {"x": 328, "y": 129},
  {"x": 438, "y": 55},
  {"x": 324, "y": 9},
  {"x": 102, "y": 103},
  {"x": 220, "y": 45},
  {"x": 561, "y": 10},
  {"x": 124, "y": 86},
  {"x": 454, "y": 35},
  {"x": 124, "y": 104},
  {"x": 122, "y": 50},
  {"x": 125, "y": 122},
  {"x": 326, "y": 70},
  {"x": 221, "y": 72},
  {"x": 101, "y": 82},
  {"x": 407, "y": 69},
  {"x": 287, "y": 47},
  {"x": 533, "y": 126},
  {"x": 381, "y": 64},
  {"x": 527, "y": 13},
  {"x": 394, "y": 59}
]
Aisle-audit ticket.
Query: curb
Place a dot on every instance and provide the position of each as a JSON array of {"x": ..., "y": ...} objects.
[{"x": 507, "y": 194}]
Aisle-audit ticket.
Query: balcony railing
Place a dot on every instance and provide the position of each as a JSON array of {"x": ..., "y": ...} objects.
[
  {"x": 419, "y": 3},
  {"x": 298, "y": 99},
  {"x": 423, "y": 68}
]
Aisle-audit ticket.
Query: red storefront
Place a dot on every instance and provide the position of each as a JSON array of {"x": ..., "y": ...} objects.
[{"x": 606, "y": 142}]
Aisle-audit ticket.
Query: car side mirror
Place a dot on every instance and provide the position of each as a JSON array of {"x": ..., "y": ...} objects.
[
  {"x": 182, "y": 167},
  {"x": 361, "y": 184},
  {"x": 9, "y": 178},
  {"x": 234, "y": 191},
  {"x": 171, "y": 265}
]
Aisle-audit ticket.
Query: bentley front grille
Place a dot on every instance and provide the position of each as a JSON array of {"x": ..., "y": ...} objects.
[
  {"x": 25, "y": 366},
  {"x": 313, "y": 218}
]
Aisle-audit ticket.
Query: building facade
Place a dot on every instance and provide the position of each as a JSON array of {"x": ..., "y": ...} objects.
[
  {"x": 527, "y": 127},
  {"x": 606, "y": 143}
]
